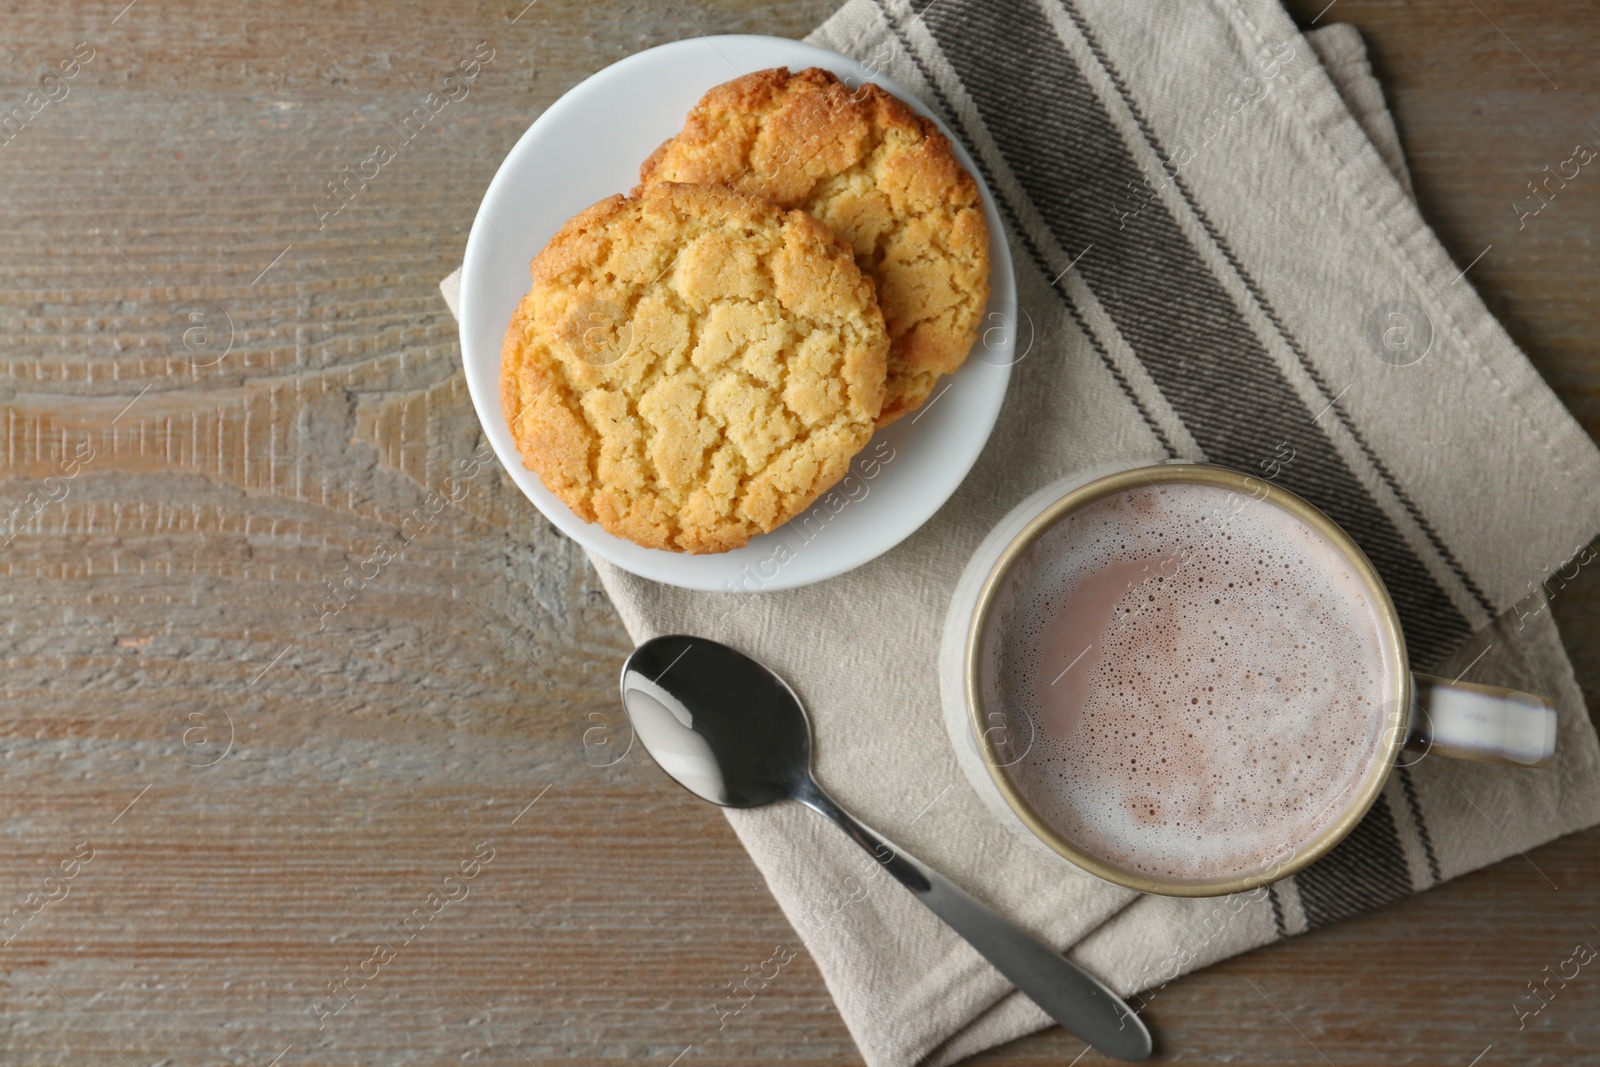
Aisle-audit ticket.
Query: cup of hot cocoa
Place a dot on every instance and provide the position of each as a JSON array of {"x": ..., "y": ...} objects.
[{"x": 1190, "y": 681}]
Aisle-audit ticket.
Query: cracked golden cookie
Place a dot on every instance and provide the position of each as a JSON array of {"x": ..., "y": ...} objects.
[
  {"x": 693, "y": 366},
  {"x": 880, "y": 176}
]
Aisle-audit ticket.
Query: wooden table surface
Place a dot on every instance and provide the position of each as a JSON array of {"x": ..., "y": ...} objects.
[{"x": 248, "y": 786}]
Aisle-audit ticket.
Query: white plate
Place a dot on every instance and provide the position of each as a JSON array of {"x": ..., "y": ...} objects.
[{"x": 588, "y": 145}]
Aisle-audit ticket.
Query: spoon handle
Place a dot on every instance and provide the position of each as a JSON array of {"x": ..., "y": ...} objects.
[{"x": 1068, "y": 994}]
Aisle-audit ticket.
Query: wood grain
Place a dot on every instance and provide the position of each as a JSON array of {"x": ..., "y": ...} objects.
[{"x": 268, "y": 775}]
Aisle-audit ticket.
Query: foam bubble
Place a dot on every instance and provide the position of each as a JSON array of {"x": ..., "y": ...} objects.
[{"x": 1204, "y": 675}]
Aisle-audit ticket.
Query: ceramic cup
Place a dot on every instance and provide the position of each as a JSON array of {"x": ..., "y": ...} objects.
[{"x": 1422, "y": 713}]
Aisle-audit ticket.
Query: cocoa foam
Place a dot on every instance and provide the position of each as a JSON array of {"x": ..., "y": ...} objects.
[{"x": 1204, "y": 679}]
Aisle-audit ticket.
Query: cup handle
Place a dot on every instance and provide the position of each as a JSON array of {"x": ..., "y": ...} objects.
[{"x": 1481, "y": 722}]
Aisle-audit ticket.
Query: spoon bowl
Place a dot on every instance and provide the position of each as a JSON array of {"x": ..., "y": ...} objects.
[{"x": 726, "y": 728}]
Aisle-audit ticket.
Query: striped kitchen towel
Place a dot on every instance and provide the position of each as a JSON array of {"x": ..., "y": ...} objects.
[{"x": 1218, "y": 258}]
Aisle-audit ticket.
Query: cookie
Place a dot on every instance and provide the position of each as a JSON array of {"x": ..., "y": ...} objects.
[
  {"x": 880, "y": 176},
  {"x": 693, "y": 366}
]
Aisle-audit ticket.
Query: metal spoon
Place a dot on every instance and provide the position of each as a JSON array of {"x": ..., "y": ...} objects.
[{"x": 732, "y": 732}]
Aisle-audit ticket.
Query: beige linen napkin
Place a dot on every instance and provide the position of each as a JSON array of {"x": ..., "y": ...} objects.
[{"x": 1238, "y": 199}]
